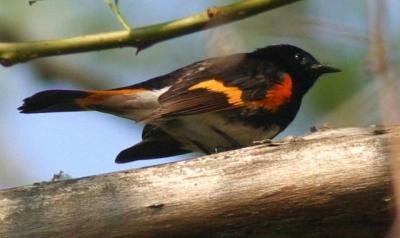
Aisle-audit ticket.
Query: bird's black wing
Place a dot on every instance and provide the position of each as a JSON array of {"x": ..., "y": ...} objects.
[{"x": 222, "y": 85}]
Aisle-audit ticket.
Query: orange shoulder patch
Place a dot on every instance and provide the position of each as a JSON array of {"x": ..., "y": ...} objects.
[
  {"x": 276, "y": 96},
  {"x": 233, "y": 94},
  {"x": 100, "y": 95}
]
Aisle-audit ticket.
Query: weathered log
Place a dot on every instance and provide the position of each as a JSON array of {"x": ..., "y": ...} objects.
[{"x": 334, "y": 183}]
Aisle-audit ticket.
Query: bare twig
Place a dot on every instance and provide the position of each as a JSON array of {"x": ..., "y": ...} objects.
[
  {"x": 17, "y": 52},
  {"x": 113, "y": 4}
]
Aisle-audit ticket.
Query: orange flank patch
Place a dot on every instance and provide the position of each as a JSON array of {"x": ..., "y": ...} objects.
[
  {"x": 97, "y": 96},
  {"x": 276, "y": 96},
  {"x": 233, "y": 94}
]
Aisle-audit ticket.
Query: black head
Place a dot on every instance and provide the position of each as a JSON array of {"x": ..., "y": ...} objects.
[{"x": 301, "y": 65}]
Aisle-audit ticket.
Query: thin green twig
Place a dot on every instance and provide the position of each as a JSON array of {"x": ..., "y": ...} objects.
[
  {"x": 141, "y": 38},
  {"x": 113, "y": 4}
]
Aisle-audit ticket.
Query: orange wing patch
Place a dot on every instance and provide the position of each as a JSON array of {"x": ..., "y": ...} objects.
[
  {"x": 233, "y": 94},
  {"x": 100, "y": 95},
  {"x": 276, "y": 96}
]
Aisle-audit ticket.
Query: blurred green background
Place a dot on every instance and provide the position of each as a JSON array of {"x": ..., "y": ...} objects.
[{"x": 360, "y": 37}]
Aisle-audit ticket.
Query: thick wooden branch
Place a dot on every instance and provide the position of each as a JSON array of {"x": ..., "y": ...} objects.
[
  {"x": 17, "y": 52},
  {"x": 333, "y": 183}
]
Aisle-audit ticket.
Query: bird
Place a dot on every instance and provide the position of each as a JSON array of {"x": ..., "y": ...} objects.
[{"x": 217, "y": 104}]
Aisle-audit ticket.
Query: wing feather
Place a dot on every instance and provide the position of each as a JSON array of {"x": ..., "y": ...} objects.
[
  {"x": 192, "y": 102},
  {"x": 216, "y": 87}
]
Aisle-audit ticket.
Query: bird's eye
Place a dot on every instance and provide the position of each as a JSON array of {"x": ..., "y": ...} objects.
[{"x": 300, "y": 58}]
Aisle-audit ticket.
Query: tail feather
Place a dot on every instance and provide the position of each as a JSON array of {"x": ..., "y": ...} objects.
[
  {"x": 155, "y": 144},
  {"x": 54, "y": 101},
  {"x": 151, "y": 149}
]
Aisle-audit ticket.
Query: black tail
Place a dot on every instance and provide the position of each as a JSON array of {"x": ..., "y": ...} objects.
[
  {"x": 155, "y": 144},
  {"x": 54, "y": 101}
]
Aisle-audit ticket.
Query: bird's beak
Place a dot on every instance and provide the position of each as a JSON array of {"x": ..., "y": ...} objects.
[{"x": 324, "y": 69}]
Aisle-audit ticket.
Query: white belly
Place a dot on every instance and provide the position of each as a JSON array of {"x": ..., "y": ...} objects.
[{"x": 211, "y": 133}]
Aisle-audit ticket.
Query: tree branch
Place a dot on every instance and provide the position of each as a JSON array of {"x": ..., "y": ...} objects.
[
  {"x": 17, "y": 52},
  {"x": 333, "y": 183}
]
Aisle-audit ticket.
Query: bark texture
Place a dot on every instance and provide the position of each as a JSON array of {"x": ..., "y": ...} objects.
[{"x": 333, "y": 183}]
